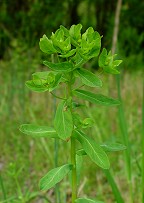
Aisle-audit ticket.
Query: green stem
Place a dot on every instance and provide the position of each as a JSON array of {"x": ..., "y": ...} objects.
[
  {"x": 20, "y": 194},
  {"x": 73, "y": 149},
  {"x": 56, "y": 142},
  {"x": 73, "y": 161}
]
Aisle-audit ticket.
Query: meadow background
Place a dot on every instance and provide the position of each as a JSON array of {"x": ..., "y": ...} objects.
[{"x": 24, "y": 160}]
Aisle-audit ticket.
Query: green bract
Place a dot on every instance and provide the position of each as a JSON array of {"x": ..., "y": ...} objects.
[
  {"x": 71, "y": 49},
  {"x": 106, "y": 61}
]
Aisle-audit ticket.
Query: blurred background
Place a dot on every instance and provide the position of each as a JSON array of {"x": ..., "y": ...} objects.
[{"x": 22, "y": 23}]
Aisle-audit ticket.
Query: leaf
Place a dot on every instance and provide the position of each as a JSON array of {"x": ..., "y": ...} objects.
[
  {"x": 117, "y": 62},
  {"x": 49, "y": 78},
  {"x": 42, "y": 75},
  {"x": 112, "y": 147},
  {"x": 86, "y": 200},
  {"x": 57, "y": 80},
  {"x": 38, "y": 131},
  {"x": 107, "y": 63},
  {"x": 66, "y": 31},
  {"x": 93, "y": 150},
  {"x": 59, "y": 67},
  {"x": 70, "y": 53},
  {"x": 102, "y": 58},
  {"x": 96, "y": 98},
  {"x": 81, "y": 152},
  {"x": 96, "y": 45},
  {"x": 36, "y": 88},
  {"x": 63, "y": 121},
  {"x": 88, "y": 78},
  {"x": 87, "y": 123},
  {"x": 46, "y": 45},
  {"x": 108, "y": 69},
  {"x": 75, "y": 31},
  {"x": 54, "y": 176}
]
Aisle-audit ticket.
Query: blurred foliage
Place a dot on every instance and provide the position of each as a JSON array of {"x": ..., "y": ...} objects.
[{"x": 27, "y": 21}]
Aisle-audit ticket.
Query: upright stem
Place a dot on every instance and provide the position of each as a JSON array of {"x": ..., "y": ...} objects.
[
  {"x": 56, "y": 142},
  {"x": 73, "y": 161},
  {"x": 73, "y": 149}
]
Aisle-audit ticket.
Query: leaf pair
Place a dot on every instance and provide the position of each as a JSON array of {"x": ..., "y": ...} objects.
[{"x": 44, "y": 81}]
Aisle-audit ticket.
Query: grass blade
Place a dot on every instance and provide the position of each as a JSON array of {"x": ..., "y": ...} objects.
[
  {"x": 3, "y": 189},
  {"x": 114, "y": 187}
]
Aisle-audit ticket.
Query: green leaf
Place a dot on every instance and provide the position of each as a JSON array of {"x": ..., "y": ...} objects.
[
  {"x": 117, "y": 62},
  {"x": 111, "y": 70},
  {"x": 75, "y": 31},
  {"x": 96, "y": 98},
  {"x": 46, "y": 45},
  {"x": 106, "y": 61},
  {"x": 66, "y": 31},
  {"x": 54, "y": 176},
  {"x": 70, "y": 53},
  {"x": 57, "y": 80},
  {"x": 59, "y": 67},
  {"x": 81, "y": 152},
  {"x": 49, "y": 78},
  {"x": 87, "y": 123},
  {"x": 59, "y": 42},
  {"x": 63, "y": 121},
  {"x": 102, "y": 58},
  {"x": 88, "y": 78},
  {"x": 42, "y": 75},
  {"x": 38, "y": 131},
  {"x": 93, "y": 150},
  {"x": 34, "y": 87},
  {"x": 112, "y": 147},
  {"x": 86, "y": 200}
]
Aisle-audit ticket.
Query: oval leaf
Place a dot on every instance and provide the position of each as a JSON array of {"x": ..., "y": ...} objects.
[
  {"x": 112, "y": 147},
  {"x": 86, "y": 200},
  {"x": 63, "y": 121},
  {"x": 54, "y": 176},
  {"x": 36, "y": 88},
  {"x": 88, "y": 78},
  {"x": 38, "y": 131},
  {"x": 93, "y": 150},
  {"x": 59, "y": 67},
  {"x": 96, "y": 98}
]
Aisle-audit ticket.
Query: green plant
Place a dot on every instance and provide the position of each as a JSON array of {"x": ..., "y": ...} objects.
[{"x": 73, "y": 50}]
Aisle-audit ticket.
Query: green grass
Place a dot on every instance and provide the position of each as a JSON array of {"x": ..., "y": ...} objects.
[{"x": 36, "y": 155}]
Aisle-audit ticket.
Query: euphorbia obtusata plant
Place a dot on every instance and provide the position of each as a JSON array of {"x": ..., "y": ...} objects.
[{"x": 73, "y": 50}]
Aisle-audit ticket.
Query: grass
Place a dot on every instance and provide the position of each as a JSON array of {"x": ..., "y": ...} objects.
[{"x": 36, "y": 156}]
